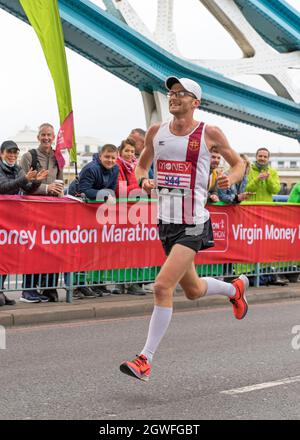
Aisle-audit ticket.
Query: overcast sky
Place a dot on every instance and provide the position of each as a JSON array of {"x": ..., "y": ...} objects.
[{"x": 104, "y": 106}]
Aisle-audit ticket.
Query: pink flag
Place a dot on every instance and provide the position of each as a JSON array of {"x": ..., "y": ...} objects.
[{"x": 64, "y": 139}]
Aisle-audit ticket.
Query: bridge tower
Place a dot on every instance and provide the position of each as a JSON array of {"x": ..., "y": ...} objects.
[{"x": 259, "y": 58}]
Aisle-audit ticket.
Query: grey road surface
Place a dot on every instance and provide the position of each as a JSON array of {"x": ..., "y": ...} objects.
[{"x": 71, "y": 370}]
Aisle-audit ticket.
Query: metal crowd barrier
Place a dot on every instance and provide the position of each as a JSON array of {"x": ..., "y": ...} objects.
[{"x": 70, "y": 281}]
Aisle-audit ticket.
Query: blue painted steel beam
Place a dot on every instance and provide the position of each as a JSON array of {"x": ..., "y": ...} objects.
[
  {"x": 276, "y": 21},
  {"x": 111, "y": 44}
]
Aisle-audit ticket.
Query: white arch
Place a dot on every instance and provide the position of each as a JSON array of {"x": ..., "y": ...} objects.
[{"x": 259, "y": 57}]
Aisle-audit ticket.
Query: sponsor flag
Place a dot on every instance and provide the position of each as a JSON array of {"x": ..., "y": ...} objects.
[{"x": 44, "y": 17}]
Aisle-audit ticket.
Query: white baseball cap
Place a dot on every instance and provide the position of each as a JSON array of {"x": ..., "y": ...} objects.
[{"x": 187, "y": 84}]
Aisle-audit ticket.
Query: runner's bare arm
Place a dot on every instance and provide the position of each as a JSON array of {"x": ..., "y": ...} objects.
[
  {"x": 214, "y": 137},
  {"x": 147, "y": 155}
]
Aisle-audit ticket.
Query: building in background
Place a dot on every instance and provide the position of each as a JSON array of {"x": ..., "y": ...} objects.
[{"x": 26, "y": 139}]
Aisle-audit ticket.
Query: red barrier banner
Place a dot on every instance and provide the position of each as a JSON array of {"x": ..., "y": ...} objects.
[{"x": 45, "y": 235}]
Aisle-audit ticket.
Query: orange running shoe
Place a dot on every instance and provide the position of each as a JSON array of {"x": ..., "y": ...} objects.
[
  {"x": 138, "y": 368},
  {"x": 239, "y": 301}
]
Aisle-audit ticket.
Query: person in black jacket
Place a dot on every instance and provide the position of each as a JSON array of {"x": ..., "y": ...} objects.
[{"x": 13, "y": 180}]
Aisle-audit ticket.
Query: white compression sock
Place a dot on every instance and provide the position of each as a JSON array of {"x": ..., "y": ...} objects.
[
  {"x": 217, "y": 287},
  {"x": 160, "y": 320}
]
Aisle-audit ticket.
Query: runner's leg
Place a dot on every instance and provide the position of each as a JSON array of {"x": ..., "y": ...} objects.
[
  {"x": 172, "y": 271},
  {"x": 195, "y": 287}
]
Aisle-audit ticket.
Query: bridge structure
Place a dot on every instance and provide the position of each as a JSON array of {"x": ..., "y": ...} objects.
[{"x": 267, "y": 31}]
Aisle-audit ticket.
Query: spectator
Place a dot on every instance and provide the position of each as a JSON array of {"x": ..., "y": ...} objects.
[
  {"x": 138, "y": 135},
  {"x": 97, "y": 179},
  {"x": 13, "y": 180},
  {"x": 127, "y": 163},
  {"x": 236, "y": 193},
  {"x": 100, "y": 174},
  {"x": 294, "y": 196},
  {"x": 263, "y": 180},
  {"x": 43, "y": 158},
  {"x": 215, "y": 158}
]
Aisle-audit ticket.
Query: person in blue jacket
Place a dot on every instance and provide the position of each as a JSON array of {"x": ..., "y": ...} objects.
[
  {"x": 97, "y": 181},
  {"x": 100, "y": 174}
]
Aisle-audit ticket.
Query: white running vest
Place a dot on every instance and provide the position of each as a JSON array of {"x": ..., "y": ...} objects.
[{"x": 182, "y": 167}]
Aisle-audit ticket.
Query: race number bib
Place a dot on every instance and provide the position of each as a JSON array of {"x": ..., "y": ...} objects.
[{"x": 174, "y": 174}]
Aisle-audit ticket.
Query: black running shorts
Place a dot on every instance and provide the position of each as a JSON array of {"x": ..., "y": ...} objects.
[{"x": 196, "y": 237}]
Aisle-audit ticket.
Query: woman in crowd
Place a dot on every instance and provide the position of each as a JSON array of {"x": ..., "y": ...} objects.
[
  {"x": 13, "y": 180},
  {"x": 127, "y": 182},
  {"x": 127, "y": 163}
]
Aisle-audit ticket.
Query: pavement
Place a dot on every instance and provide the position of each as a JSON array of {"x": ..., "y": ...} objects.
[{"x": 123, "y": 305}]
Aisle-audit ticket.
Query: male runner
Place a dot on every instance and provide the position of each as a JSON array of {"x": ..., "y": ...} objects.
[{"x": 181, "y": 149}]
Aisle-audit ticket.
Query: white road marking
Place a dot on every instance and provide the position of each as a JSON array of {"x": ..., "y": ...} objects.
[{"x": 261, "y": 386}]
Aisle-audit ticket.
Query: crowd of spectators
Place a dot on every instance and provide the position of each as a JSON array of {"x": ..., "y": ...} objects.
[
  {"x": 109, "y": 174},
  {"x": 259, "y": 183}
]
